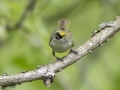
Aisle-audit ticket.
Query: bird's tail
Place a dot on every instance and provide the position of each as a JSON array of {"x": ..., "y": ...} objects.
[{"x": 63, "y": 24}]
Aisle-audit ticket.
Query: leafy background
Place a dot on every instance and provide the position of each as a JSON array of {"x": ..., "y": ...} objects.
[{"x": 24, "y": 48}]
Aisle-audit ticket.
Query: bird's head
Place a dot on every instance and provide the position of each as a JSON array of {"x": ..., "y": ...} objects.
[{"x": 60, "y": 34}]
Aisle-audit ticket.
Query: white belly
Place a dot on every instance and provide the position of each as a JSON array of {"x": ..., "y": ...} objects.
[{"x": 60, "y": 47}]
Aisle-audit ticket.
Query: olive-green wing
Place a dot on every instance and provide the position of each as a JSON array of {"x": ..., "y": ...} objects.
[
  {"x": 51, "y": 37},
  {"x": 72, "y": 38}
]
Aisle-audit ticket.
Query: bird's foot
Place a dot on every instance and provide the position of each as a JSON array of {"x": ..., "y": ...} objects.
[
  {"x": 59, "y": 59},
  {"x": 75, "y": 52}
]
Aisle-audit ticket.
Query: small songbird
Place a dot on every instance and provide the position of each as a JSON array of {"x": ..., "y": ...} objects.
[{"x": 61, "y": 39}]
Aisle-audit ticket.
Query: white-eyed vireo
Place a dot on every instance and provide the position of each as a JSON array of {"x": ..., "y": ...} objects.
[{"x": 61, "y": 39}]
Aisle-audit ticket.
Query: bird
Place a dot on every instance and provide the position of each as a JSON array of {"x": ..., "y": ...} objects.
[{"x": 61, "y": 39}]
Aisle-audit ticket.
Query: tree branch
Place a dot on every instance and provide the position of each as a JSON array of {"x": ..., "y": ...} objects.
[
  {"x": 47, "y": 72},
  {"x": 29, "y": 8}
]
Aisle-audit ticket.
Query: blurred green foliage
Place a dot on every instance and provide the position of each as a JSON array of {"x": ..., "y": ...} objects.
[{"x": 25, "y": 47}]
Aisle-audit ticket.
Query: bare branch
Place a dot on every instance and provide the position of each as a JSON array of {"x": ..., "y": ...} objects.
[{"x": 47, "y": 73}]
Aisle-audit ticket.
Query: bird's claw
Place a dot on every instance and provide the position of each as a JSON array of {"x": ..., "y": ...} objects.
[
  {"x": 75, "y": 52},
  {"x": 59, "y": 59}
]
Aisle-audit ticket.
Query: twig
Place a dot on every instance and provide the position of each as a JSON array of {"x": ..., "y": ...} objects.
[
  {"x": 29, "y": 8},
  {"x": 47, "y": 73}
]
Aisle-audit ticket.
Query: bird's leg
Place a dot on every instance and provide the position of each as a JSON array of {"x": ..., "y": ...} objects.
[
  {"x": 75, "y": 52},
  {"x": 53, "y": 52}
]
